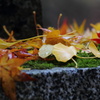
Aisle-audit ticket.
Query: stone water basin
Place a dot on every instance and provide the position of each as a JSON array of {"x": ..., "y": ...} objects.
[{"x": 60, "y": 84}]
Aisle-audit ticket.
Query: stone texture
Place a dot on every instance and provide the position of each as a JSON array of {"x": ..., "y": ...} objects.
[
  {"x": 17, "y": 15},
  {"x": 60, "y": 84}
]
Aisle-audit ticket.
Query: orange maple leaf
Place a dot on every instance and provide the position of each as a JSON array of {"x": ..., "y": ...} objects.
[
  {"x": 9, "y": 73},
  {"x": 64, "y": 27}
]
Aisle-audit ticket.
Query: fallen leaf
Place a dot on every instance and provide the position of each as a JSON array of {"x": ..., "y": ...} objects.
[
  {"x": 45, "y": 51},
  {"x": 22, "y": 53},
  {"x": 79, "y": 29},
  {"x": 94, "y": 49},
  {"x": 96, "y": 26},
  {"x": 63, "y": 28},
  {"x": 97, "y": 40},
  {"x": 63, "y": 53},
  {"x": 9, "y": 73},
  {"x": 4, "y": 44},
  {"x": 8, "y": 84},
  {"x": 54, "y": 37},
  {"x": 94, "y": 35},
  {"x": 98, "y": 34}
]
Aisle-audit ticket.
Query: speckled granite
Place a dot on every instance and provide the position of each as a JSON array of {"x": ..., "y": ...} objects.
[
  {"x": 60, "y": 84},
  {"x": 17, "y": 15}
]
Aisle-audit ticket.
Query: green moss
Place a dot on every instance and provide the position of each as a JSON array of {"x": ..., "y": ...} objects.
[
  {"x": 87, "y": 62},
  {"x": 82, "y": 62},
  {"x": 39, "y": 64}
]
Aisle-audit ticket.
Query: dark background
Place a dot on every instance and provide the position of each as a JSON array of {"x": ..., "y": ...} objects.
[
  {"x": 71, "y": 9},
  {"x": 17, "y": 15}
]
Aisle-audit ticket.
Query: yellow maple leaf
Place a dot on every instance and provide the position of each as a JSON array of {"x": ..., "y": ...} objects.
[
  {"x": 96, "y": 26},
  {"x": 94, "y": 49},
  {"x": 79, "y": 29},
  {"x": 4, "y": 44},
  {"x": 63, "y": 53}
]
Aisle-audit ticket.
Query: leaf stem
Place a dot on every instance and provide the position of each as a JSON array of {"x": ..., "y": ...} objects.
[
  {"x": 85, "y": 57},
  {"x": 76, "y": 65}
]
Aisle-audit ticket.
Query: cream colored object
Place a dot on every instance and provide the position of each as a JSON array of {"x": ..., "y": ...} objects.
[
  {"x": 45, "y": 51},
  {"x": 94, "y": 50},
  {"x": 63, "y": 53}
]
